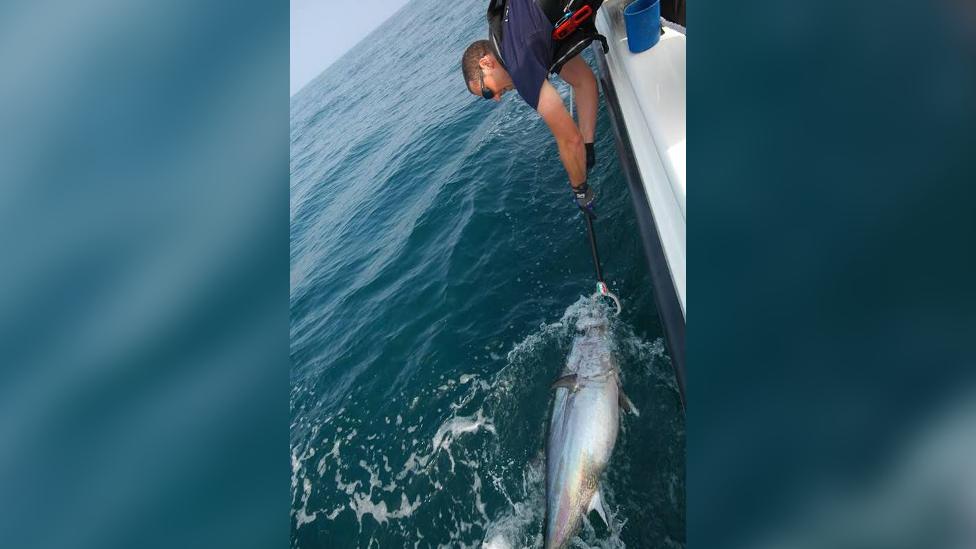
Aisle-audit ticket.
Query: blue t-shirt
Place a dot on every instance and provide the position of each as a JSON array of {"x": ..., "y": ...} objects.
[{"x": 527, "y": 48}]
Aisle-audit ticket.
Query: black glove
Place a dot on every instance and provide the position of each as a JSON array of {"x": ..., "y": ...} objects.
[
  {"x": 584, "y": 198},
  {"x": 590, "y": 157}
]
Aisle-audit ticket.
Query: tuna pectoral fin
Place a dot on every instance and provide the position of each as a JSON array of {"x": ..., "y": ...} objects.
[
  {"x": 626, "y": 404},
  {"x": 596, "y": 504},
  {"x": 569, "y": 382}
]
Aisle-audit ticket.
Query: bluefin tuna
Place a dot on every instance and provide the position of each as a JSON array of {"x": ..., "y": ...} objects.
[{"x": 582, "y": 429}]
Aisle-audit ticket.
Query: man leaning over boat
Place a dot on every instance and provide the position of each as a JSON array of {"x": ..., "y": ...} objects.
[{"x": 528, "y": 40}]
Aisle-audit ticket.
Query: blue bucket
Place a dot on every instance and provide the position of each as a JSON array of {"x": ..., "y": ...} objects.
[{"x": 643, "y": 21}]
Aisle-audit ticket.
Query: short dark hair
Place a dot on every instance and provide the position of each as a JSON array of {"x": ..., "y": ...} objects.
[{"x": 470, "y": 67}]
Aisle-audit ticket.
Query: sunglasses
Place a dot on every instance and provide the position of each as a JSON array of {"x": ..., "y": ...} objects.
[{"x": 487, "y": 93}]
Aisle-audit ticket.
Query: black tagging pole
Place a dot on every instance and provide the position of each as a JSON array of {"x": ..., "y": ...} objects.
[
  {"x": 596, "y": 254},
  {"x": 601, "y": 286}
]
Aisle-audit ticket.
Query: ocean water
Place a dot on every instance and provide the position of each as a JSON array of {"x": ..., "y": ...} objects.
[{"x": 437, "y": 266}]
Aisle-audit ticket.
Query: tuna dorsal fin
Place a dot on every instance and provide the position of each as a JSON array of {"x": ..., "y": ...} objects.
[
  {"x": 568, "y": 381},
  {"x": 626, "y": 404},
  {"x": 596, "y": 504}
]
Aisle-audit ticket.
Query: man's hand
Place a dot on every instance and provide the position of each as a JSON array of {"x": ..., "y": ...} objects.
[{"x": 584, "y": 198}]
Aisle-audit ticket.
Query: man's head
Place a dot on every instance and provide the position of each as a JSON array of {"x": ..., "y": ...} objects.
[{"x": 483, "y": 74}]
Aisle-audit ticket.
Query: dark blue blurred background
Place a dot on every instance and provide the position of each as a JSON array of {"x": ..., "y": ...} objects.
[
  {"x": 831, "y": 165},
  {"x": 144, "y": 276}
]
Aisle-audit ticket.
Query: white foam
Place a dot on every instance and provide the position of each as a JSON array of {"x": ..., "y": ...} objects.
[
  {"x": 555, "y": 330},
  {"x": 512, "y": 526},
  {"x": 347, "y": 488},
  {"x": 459, "y": 425},
  {"x": 362, "y": 504},
  {"x": 297, "y": 463},
  {"x": 480, "y": 505},
  {"x": 498, "y": 541},
  {"x": 333, "y": 453},
  {"x": 442, "y": 441},
  {"x": 302, "y": 516}
]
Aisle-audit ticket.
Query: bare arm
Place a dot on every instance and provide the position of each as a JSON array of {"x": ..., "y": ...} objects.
[{"x": 567, "y": 134}]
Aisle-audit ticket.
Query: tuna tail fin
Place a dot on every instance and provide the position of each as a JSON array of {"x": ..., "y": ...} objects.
[
  {"x": 568, "y": 382},
  {"x": 596, "y": 504},
  {"x": 626, "y": 404}
]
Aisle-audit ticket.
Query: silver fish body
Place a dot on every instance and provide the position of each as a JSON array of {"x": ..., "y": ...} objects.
[{"x": 582, "y": 430}]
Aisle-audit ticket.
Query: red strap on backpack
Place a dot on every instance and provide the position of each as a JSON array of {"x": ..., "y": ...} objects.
[{"x": 570, "y": 22}]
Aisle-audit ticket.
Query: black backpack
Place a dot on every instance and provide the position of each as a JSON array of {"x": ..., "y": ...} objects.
[{"x": 563, "y": 50}]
